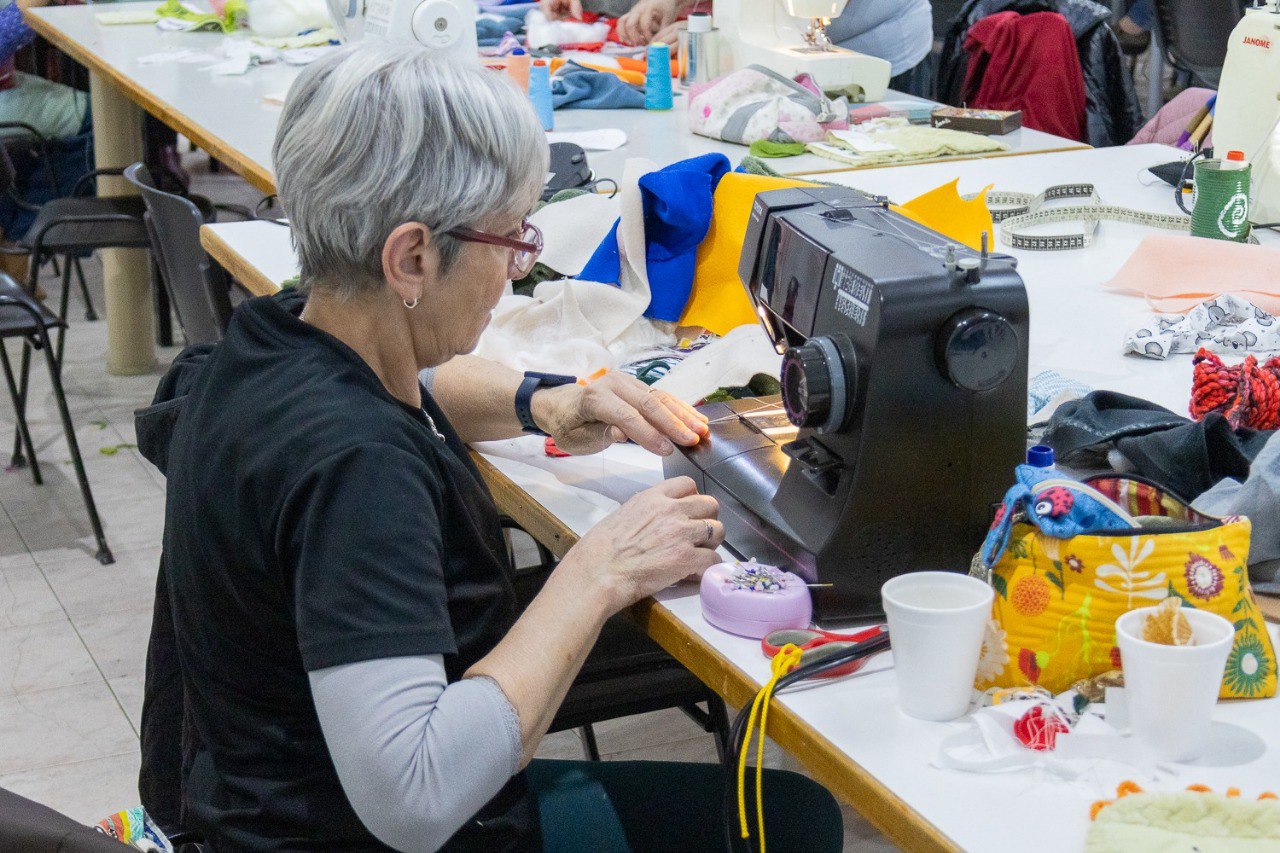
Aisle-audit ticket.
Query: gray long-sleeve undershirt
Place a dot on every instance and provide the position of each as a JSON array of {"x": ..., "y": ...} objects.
[{"x": 417, "y": 757}]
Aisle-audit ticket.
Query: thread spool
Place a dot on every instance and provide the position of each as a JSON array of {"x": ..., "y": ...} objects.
[
  {"x": 1221, "y": 210},
  {"x": 657, "y": 78},
  {"x": 540, "y": 94},
  {"x": 518, "y": 64}
]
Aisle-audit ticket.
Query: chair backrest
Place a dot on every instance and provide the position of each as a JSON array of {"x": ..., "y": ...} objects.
[
  {"x": 1195, "y": 34},
  {"x": 198, "y": 293},
  {"x": 8, "y": 175}
]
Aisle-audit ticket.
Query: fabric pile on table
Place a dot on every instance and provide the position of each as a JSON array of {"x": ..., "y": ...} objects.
[
  {"x": 1225, "y": 324},
  {"x": 893, "y": 140}
]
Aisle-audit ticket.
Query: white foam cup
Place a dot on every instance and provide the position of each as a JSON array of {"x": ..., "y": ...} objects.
[
  {"x": 1171, "y": 690},
  {"x": 936, "y": 623}
]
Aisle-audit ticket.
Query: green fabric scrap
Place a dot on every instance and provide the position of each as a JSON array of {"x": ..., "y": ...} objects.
[
  {"x": 761, "y": 385},
  {"x": 765, "y": 148},
  {"x": 234, "y": 14}
]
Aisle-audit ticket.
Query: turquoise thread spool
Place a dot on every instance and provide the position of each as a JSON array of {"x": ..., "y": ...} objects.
[
  {"x": 1221, "y": 208},
  {"x": 540, "y": 94},
  {"x": 657, "y": 78}
]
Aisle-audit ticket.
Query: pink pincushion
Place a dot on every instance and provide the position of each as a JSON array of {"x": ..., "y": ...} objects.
[{"x": 752, "y": 600}]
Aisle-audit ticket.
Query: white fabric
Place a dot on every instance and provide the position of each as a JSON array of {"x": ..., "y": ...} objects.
[
  {"x": 541, "y": 32},
  {"x": 579, "y": 327},
  {"x": 279, "y": 18},
  {"x": 728, "y": 361},
  {"x": 1227, "y": 324},
  {"x": 990, "y": 746},
  {"x": 571, "y": 229}
]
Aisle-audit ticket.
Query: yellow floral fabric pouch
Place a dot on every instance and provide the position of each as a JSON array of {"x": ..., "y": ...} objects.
[{"x": 1057, "y": 599}]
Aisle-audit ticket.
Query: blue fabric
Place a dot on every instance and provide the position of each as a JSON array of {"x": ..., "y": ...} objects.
[
  {"x": 1063, "y": 509},
  {"x": 579, "y": 88},
  {"x": 14, "y": 33},
  {"x": 677, "y": 204},
  {"x": 489, "y": 32},
  {"x": 1142, "y": 14}
]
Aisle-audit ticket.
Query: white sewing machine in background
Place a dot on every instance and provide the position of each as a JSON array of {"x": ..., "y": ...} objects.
[
  {"x": 1247, "y": 115},
  {"x": 446, "y": 26},
  {"x": 789, "y": 36}
]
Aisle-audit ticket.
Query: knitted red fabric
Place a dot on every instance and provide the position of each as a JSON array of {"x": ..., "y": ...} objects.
[
  {"x": 1037, "y": 731},
  {"x": 1247, "y": 394}
]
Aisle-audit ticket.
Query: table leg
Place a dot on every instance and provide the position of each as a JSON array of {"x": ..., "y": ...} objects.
[{"x": 117, "y": 141}]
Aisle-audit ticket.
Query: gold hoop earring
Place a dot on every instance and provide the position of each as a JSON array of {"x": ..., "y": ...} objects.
[{"x": 410, "y": 305}]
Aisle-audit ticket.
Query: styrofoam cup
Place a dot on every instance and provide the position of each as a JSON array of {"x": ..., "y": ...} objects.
[
  {"x": 936, "y": 623},
  {"x": 1171, "y": 690}
]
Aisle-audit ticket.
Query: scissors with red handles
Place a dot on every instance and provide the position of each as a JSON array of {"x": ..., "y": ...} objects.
[{"x": 817, "y": 644}]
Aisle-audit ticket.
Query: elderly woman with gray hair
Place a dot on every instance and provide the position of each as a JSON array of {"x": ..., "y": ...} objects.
[{"x": 354, "y": 668}]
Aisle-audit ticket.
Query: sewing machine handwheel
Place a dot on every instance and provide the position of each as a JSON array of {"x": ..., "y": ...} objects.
[
  {"x": 978, "y": 349},
  {"x": 818, "y": 383}
]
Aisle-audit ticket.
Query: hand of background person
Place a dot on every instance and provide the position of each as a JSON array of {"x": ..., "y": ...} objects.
[
  {"x": 614, "y": 408},
  {"x": 556, "y": 10},
  {"x": 31, "y": 4},
  {"x": 661, "y": 536},
  {"x": 646, "y": 20}
]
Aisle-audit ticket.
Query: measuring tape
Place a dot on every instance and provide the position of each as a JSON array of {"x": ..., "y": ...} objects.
[{"x": 1015, "y": 211}]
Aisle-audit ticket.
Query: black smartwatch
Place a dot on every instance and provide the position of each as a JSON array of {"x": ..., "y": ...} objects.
[{"x": 524, "y": 395}]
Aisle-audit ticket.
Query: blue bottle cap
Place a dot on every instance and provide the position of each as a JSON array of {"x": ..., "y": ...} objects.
[
  {"x": 518, "y": 51},
  {"x": 1040, "y": 456}
]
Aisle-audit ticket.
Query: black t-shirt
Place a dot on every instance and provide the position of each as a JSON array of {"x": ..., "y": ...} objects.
[{"x": 313, "y": 520}]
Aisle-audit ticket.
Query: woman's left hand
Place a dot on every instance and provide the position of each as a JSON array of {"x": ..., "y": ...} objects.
[{"x": 614, "y": 408}]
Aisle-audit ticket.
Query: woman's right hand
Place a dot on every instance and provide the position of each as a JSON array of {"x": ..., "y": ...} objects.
[
  {"x": 556, "y": 10},
  {"x": 661, "y": 536},
  {"x": 646, "y": 20}
]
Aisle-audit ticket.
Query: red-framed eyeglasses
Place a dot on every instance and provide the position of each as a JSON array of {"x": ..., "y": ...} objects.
[{"x": 525, "y": 249}]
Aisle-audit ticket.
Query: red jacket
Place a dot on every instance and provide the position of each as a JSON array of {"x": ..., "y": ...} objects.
[{"x": 1028, "y": 63}]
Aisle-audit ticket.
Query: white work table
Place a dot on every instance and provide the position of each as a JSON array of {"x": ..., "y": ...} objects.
[
  {"x": 228, "y": 117},
  {"x": 849, "y": 732}
]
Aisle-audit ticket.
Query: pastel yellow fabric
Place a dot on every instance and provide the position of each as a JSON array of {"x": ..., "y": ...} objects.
[
  {"x": 943, "y": 210},
  {"x": 719, "y": 303},
  {"x": 1158, "y": 822},
  {"x": 1057, "y": 601}
]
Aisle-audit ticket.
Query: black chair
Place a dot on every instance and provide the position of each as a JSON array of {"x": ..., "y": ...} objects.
[
  {"x": 626, "y": 673},
  {"x": 23, "y": 316},
  {"x": 1195, "y": 34},
  {"x": 198, "y": 290},
  {"x": 30, "y": 827}
]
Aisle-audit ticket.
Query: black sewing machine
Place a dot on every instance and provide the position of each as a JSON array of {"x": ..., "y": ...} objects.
[{"x": 903, "y": 406}]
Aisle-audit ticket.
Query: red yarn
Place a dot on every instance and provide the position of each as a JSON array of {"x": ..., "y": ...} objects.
[
  {"x": 1036, "y": 731},
  {"x": 1247, "y": 394}
]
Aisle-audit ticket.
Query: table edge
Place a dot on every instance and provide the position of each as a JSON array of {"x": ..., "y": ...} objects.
[
  {"x": 212, "y": 144},
  {"x": 234, "y": 263},
  {"x": 831, "y": 766}
]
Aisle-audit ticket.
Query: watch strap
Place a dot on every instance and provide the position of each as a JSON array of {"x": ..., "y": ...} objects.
[{"x": 532, "y": 381}]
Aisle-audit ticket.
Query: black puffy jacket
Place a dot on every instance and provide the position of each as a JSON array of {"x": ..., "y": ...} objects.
[{"x": 1112, "y": 111}]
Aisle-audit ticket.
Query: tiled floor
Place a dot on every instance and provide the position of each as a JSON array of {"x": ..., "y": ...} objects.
[{"x": 73, "y": 633}]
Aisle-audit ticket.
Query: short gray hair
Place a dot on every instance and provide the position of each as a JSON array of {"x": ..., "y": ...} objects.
[{"x": 377, "y": 135}]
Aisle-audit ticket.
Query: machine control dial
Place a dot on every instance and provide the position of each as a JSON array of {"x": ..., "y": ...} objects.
[
  {"x": 978, "y": 349},
  {"x": 817, "y": 384}
]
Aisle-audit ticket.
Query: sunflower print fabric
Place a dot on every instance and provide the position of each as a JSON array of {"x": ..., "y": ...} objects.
[{"x": 1057, "y": 601}]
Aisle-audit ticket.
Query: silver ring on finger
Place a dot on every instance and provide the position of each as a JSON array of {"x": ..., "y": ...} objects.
[{"x": 711, "y": 531}]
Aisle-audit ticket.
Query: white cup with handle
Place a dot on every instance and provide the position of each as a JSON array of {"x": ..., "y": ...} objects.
[
  {"x": 936, "y": 624},
  {"x": 1170, "y": 691}
]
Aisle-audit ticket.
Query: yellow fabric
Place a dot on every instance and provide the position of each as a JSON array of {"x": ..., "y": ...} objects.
[
  {"x": 943, "y": 210},
  {"x": 1057, "y": 601},
  {"x": 719, "y": 303}
]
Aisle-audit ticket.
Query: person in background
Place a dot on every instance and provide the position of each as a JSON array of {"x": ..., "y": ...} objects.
[
  {"x": 58, "y": 113},
  {"x": 340, "y": 591},
  {"x": 898, "y": 31}
]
